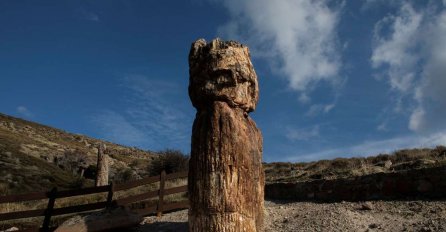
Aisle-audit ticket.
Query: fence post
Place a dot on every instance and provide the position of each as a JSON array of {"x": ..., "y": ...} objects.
[
  {"x": 159, "y": 211},
  {"x": 110, "y": 195},
  {"x": 49, "y": 209}
]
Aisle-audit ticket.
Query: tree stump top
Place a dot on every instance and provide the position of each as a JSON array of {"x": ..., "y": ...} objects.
[{"x": 222, "y": 71}]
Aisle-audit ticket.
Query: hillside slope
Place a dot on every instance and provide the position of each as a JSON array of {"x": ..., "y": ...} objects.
[
  {"x": 35, "y": 157},
  {"x": 402, "y": 160}
]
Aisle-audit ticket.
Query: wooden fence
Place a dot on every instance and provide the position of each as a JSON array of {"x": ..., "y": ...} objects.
[{"x": 54, "y": 194}]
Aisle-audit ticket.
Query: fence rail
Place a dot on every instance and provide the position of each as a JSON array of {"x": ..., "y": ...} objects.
[{"x": 54, "y": 194}]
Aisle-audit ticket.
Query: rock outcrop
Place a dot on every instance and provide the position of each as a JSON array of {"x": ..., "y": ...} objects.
[{"x": 226, "y": 179}]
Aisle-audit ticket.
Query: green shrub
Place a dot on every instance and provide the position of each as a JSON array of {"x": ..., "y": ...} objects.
[
  {"x": 378, "y": 159},
  {"x": 90, "y": 172},
  {"x": 78, "y": 183},
  {"x": 134, "y": 163},
  {"x": 124, "y": 175},
  {"x": 72, "y": 160},
  {"x": 169, "y": 160}
]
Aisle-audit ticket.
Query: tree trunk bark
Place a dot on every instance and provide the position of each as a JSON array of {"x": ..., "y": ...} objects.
[
  {"x": 226, "y": 178},
  {"x": 102, "y": 167}
]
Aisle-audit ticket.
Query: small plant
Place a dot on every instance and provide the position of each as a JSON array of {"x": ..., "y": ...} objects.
[
  {"x": 90, "y": 172},
  {"x": 78, "y": 183},
  {"x": 72, "y": 161},
  {"x": 134, "y": 163},
  {"x": 169, "y": 160},
  {"x": 124, "y": 175}
]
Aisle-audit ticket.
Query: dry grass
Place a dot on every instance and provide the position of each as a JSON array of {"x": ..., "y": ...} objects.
[
  {"x": 86, "y": 199},
  {"x": 28, "y": 152},
  {"x": 42, "y": 204},
  {"x": 349, "y": 167}
]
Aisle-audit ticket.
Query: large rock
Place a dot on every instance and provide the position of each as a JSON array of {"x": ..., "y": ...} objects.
[{"x": 226, "y": 178}]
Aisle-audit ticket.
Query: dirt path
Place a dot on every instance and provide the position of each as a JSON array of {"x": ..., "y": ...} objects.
[{"x": 344, "y": 216}]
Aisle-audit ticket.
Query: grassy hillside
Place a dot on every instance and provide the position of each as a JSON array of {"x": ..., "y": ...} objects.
[
  {"x": 350, "y": 167},
  {"x": 35, "y": 157}
]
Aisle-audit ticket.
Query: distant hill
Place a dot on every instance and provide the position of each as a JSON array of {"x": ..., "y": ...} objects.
[
  {"x": 34, "y": 157},
  {"x": 402, "y": 160}
]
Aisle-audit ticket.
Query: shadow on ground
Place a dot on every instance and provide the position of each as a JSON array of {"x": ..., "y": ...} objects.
[{"x": 161, "y": 226}]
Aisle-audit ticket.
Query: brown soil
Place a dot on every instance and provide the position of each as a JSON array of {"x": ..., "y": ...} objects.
[{"x": 343, "y": 216}]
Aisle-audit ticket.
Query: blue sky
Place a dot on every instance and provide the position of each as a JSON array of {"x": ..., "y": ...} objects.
[{"x": 337, "y": 78}]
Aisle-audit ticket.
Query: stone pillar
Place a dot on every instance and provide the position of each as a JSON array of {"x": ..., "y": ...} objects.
[
  {"x": 226, "y": 178},
  {"x": 102, "y": 167}
]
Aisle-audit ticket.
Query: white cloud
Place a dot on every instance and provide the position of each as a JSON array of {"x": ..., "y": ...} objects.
[
  {"x": 374, "y": 147},
  {"x": 319, "y": 108},
  {"x": 22, "y": 110},
  {"x": 416, "y": 121},
  {"x": 302, "y": 134},
  {"x": 413, "y": 57},
  {"x": 396, "y": 51},
  {"x": 430, "y": 94},
  {"x": 299, "y": 36}
]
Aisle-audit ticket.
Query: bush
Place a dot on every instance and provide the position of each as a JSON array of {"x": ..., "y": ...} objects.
[
  {"x": 169, "y": 160},
  {"x": 439, "y": 151},
  {"x": 72, "y": 161},
  {"x": 381, "y": 158},
  {"x": 78, "y": 183},
  {"x": 341, "y": 164},
  {"x": 135, "y": 163},
  {"x": 407, "y": 155},
  {"x": 90, "y": 172},
  {"x": 124, "y": 175}
]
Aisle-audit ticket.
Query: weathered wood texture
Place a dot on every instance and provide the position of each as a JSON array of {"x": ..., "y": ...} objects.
[
  {"x": 161, "y": 193},
  {"x": 102, "y": 167},
  {"x": 226, "y": 178}
]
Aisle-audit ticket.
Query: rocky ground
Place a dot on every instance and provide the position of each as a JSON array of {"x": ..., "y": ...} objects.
[{"x": 343, "y": 216}]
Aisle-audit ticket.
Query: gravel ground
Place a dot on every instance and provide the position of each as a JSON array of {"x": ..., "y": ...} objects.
[{"x": 343, "y": 216}]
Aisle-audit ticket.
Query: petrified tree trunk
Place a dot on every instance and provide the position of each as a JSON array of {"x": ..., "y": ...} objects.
[
  {"x": 102, "y": 167},
  {"x": 226, "y": 179},
  {"x": 82, "y": 171}
]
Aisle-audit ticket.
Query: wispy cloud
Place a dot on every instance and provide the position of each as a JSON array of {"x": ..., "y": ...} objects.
[
  {"x": 116, "y": 128},
  {"x": 410, "y": 48},
  {"x": 298, "y": 36},
  {"x": 374, "y": 147},
  {"x": 396, "y": 51},
  {"x": 382, "y": 126},
  {"x": 319, "y": 108},
  {"x": 303, "y": 134},
  {"x": 151, "y": 118},
  {"x": 159, "y": 110},
  {"x": 22, "y": 110},
  {"x": 88, "y": 15}
]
